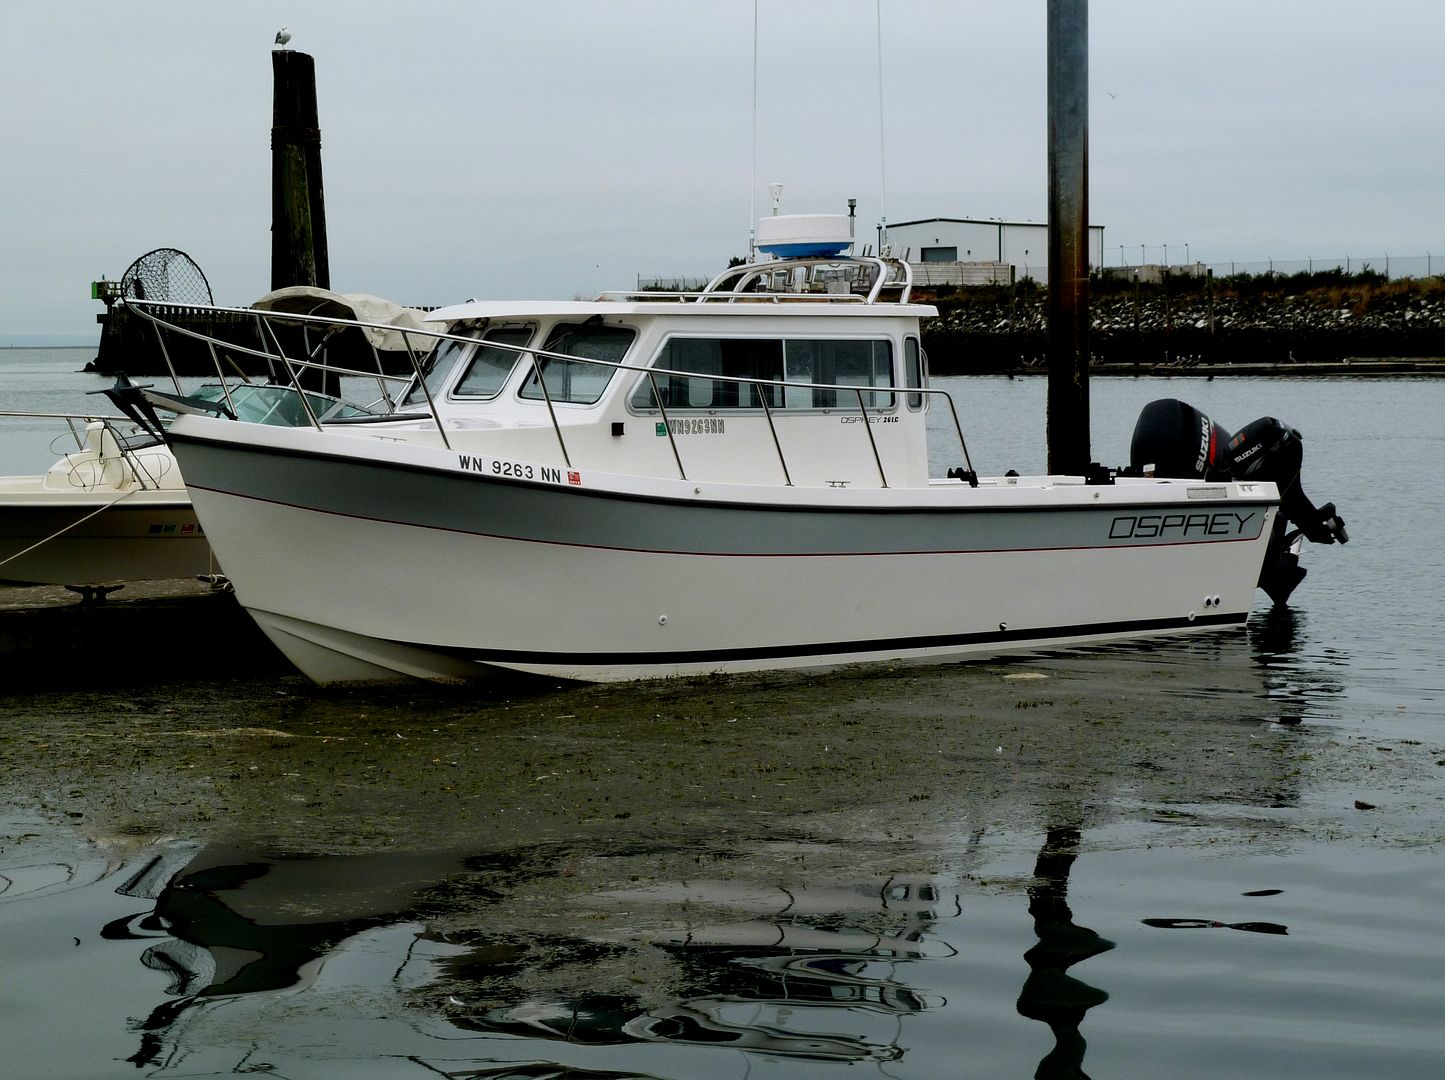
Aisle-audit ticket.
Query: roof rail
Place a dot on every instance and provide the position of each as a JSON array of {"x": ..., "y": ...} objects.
[{"x": 867, "y": 279}]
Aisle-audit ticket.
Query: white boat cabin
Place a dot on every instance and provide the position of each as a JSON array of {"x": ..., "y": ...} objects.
[{"x": 805, "y": 372}]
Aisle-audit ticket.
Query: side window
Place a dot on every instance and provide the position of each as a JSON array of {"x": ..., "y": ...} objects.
[
  {"x": 490, "y": 366},
  {"x": 704, "y": 373},
  {"x": 579, "y": 383},
  {"x": 801, "y": 365},
  {"x": 839, "y": 363},
  {"x": 860, "y": 363},
  {"x": 716, "y": 361},
  {"x": 913, "y": 370}
]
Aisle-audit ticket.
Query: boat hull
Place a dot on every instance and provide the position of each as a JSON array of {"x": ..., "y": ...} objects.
[
  {"x": 63, "y": 539},
  {"x": 365, "y": 561}
]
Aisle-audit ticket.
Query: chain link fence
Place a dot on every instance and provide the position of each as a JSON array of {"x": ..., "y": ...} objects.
[{"x": 1391, "y": 266}]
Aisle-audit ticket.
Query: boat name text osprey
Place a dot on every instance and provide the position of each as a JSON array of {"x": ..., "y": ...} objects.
[{"x": 1222, "y": 523}]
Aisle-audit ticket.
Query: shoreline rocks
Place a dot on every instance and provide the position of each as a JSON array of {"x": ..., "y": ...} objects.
[{"x": 997, "y": 332}]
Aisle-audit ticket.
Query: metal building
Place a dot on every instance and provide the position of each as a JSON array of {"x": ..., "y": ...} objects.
[{"x": 969, "y": 251}]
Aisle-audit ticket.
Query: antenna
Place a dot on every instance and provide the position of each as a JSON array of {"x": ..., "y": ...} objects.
[
  {"x": 882, "y": 144},
  {"x": 753, "y": 182}
]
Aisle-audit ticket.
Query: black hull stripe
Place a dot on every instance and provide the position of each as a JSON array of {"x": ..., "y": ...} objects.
[{"x": 825, "y": 651}]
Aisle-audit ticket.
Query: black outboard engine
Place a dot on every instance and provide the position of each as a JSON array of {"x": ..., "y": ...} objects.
[{"x": 1174, "y": 439}]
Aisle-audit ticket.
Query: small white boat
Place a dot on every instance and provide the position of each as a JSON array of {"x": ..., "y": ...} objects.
[
  {"x": 722, "y": 481},
  {"x": 113, "y": 509},
  {"x": 116, "y": 508}
]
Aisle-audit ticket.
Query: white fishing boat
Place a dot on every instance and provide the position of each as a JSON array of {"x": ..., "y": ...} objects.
[{"x": 722, "y": 481}]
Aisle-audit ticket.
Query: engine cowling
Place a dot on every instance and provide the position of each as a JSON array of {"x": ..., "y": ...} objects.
[{"x": 1174, "y": 439}]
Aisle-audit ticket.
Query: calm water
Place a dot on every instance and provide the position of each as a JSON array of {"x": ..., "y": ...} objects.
[{"x": 1215, "y": 858}]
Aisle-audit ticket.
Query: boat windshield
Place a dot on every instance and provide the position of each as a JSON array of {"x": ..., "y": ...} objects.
[
  {"x": 278, "y": 406},
  {"x": 437, "y": 366},
  {"x": 489, "y": 367},
  {"x": 580, "y": 384}
]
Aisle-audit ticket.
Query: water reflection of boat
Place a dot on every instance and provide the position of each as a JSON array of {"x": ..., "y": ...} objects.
[
  {"x": 1300, "y": 683},
  {"x": 767, "y": 982},
  {"x": 775, "y": 979},
  {"x": 235, "y": 923}
]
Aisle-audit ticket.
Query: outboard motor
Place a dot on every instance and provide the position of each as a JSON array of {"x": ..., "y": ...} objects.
[{"x": 1172, "y": 438}]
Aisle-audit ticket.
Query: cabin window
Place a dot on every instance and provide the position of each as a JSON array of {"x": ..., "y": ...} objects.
[
  {"x": 913, "y": 370},
  {"x": 437, "y": 366},
  {"x": 716, "y": 361},
  {"x": 844, "y": 363},
  {"x": 725, "y": 358},
  {"x": 491, "y": 365},
  {"x": 580, "y": 383}
]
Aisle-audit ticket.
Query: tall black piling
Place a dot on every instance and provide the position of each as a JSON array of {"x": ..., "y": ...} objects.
[
  {"x": 1068, "y": 302},
  {"x": 298, "y": 207}
]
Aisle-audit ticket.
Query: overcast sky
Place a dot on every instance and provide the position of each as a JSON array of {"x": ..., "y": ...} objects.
[{"x": 561, "y": 147}]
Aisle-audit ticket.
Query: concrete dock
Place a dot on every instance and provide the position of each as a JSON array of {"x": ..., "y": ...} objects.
[{"x": 183, "y": 626}]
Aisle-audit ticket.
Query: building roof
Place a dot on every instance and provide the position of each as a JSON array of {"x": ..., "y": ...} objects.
[
  {"x": 975, "y": 221},
  {"x": 966, "y": 221}
]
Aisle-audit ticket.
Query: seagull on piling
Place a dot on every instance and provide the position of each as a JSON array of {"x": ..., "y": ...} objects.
[{"x": 283, "y": 36}]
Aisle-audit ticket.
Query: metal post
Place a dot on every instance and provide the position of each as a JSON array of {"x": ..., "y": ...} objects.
[{"x": 1068, "y": 304}]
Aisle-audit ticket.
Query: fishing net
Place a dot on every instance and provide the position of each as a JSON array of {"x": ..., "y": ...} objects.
[{"x": 167, "y": 275}]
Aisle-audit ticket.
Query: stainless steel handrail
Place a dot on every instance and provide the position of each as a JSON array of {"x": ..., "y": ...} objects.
[{"x": 901, "y": 393}]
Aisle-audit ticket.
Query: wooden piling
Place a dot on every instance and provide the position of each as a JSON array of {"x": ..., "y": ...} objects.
[
  {"x": 298, "y": 205},
  {"x": 298, "y": 208},
  {"x": 1068, "y": 294}
]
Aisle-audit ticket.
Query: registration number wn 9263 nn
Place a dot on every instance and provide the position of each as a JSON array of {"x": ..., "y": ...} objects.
[{"x": 517, "y": 470}]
